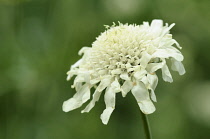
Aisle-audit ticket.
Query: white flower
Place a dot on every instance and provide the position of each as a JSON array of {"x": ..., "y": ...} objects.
[{"x": 124, "y": 58}]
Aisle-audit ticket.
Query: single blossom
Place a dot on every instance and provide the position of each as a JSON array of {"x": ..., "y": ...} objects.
[{"x": 124, "y": 59}]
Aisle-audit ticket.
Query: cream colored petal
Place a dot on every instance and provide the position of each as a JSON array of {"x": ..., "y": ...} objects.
[
  {"x": 77, "y": 99},
  {"x": 71, "y": 104},
  {"x": 79, "y": 79},
  {"x": 166, "y": 30},
  {"x": 177, "y": 66},
  {"x": 77, "y": 86},
  {"x": 116, "y": 71},
  {"x": 83, "y": 50},
  {"x": 141, "y": 94},
  {"x": 153, "y": 96},
  {"x": 152, "y": 67},
  {"x": 94, "y": 81},
  {"x": 96, "y": 97},
  {"x": 166, "y": 74},
  {"x": 116, "y": 86},
  {"x": 153, "y": 80},
  {"x": 106, "y": 115},
  {"x": 70, "y": 74},
  {"x": 76, "y": 64},
  {"x": 145, "y": 80},
  {"x": 69, "y": 77},
  {"x": 86, "y": 96},
  {"x": 168, "y": 42},
  {"x": 104, "y": 83},
  {"x": 169, "y": 52},
  {"x": 126, "y": 87},
  {"x": 109, "y": 99},
  {"x": 139, "y": 74},
  {"x": 156, "y": 27},
  {"x": 145, "y": 59},
  {"x": 147, "y": 107},
  {"x": 124, "y": 76}
]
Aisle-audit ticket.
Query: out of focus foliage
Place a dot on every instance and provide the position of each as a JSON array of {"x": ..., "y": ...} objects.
[{"x": 39, "y": 40}]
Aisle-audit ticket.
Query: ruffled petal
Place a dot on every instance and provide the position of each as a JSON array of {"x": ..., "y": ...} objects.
[
  {"x": 156, "y": 27},
  {"x": 78, "y": 99},
  {"x": 153, "y": 80},
  {"x": 76, "y": 64},
  {"x": 86, "y": 96},
  {"x": 152, "y": 67},
  {"x": 177, "y": 66},
  {"x": 104, "y": 83},
  {"x": 146, "y": 106},
  {"x": 109, "y": 99},
  {"x": 168, "y": 52},
  {"x": 94, "y": 81},
  {"x": 168, "y": 42},
  {"x": 145, "y": 59},
  {"x": 166, "y": 30},
  {"x": 106, "y": 115},
  {"x": 70, "y": 74},
  {"x": 140, "y": 74},
  {"x": 83, "y": 50},
  {"x": 141, "y": 94},
  {"x": 124, "y": 76},
  {"x": 166, "y": 74},
  {"x": 79, "y": 79},
  {"x": 153, "y": 96},
  {"x": 126, "y": 87},
  {"x": 96, "y": 97},
  {"x": 116, "y": 86}
]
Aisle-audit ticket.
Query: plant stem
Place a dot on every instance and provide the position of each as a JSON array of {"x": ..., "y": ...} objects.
[{"x": 147, "y": 130}]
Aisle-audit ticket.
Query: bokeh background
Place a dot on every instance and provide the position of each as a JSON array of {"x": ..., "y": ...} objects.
[{"x": 40, "y": 39}]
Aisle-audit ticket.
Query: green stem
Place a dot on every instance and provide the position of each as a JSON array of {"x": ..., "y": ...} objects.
[{"x": 147, "y": 130}]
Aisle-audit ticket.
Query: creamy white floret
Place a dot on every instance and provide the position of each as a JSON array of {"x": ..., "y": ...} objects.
[{"x": 124, "y": 58}]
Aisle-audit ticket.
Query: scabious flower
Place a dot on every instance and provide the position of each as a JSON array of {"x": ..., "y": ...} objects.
[{"x": 124, "y": 59}]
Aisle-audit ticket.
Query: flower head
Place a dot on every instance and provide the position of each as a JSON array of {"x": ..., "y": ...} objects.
[{"x": 124, "y": 59}]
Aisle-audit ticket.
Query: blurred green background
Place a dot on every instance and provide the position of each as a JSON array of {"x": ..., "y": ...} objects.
[{"x": 40, "y": 39}]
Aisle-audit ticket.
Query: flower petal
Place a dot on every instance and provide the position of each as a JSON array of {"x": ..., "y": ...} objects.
[
  {"x": 166, "y": 74},
  {"x": 168, "y": 52},
  {"x": 116, "y": 86},
  {"x": 83, "y": 50},
  {"x": 106, "y": 115},
  {"x": 141, "y": 94},
  {"x": 76, "y": 64},
  {"x": 145, "y": 59},
  {"x": 70, "y": 74},
  {"x": 152, "y": 67},
  {"x": 124, "y": 76},
  {"x": 140, "y": 74},
  {"x": 94, "y": 81},
  {"x": 126, "y": 87},
  {"x": 153, "y": 96},
  {"x": 166, "y": 30},
  {"x": 104, "y": 83},
  {"x": 177, "y": 66},
  {"x": 153, "y": 80},
  {"x": 79, "y": 79},
  {"x": 109, "y": 99},
  {"x": 156, "y": 27},
  {"x": 147, "y": 107},
  {"x": 77, "y": 100},
  {"x": 96, "y": 97},
  {"x": 86, "y": 96}
]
